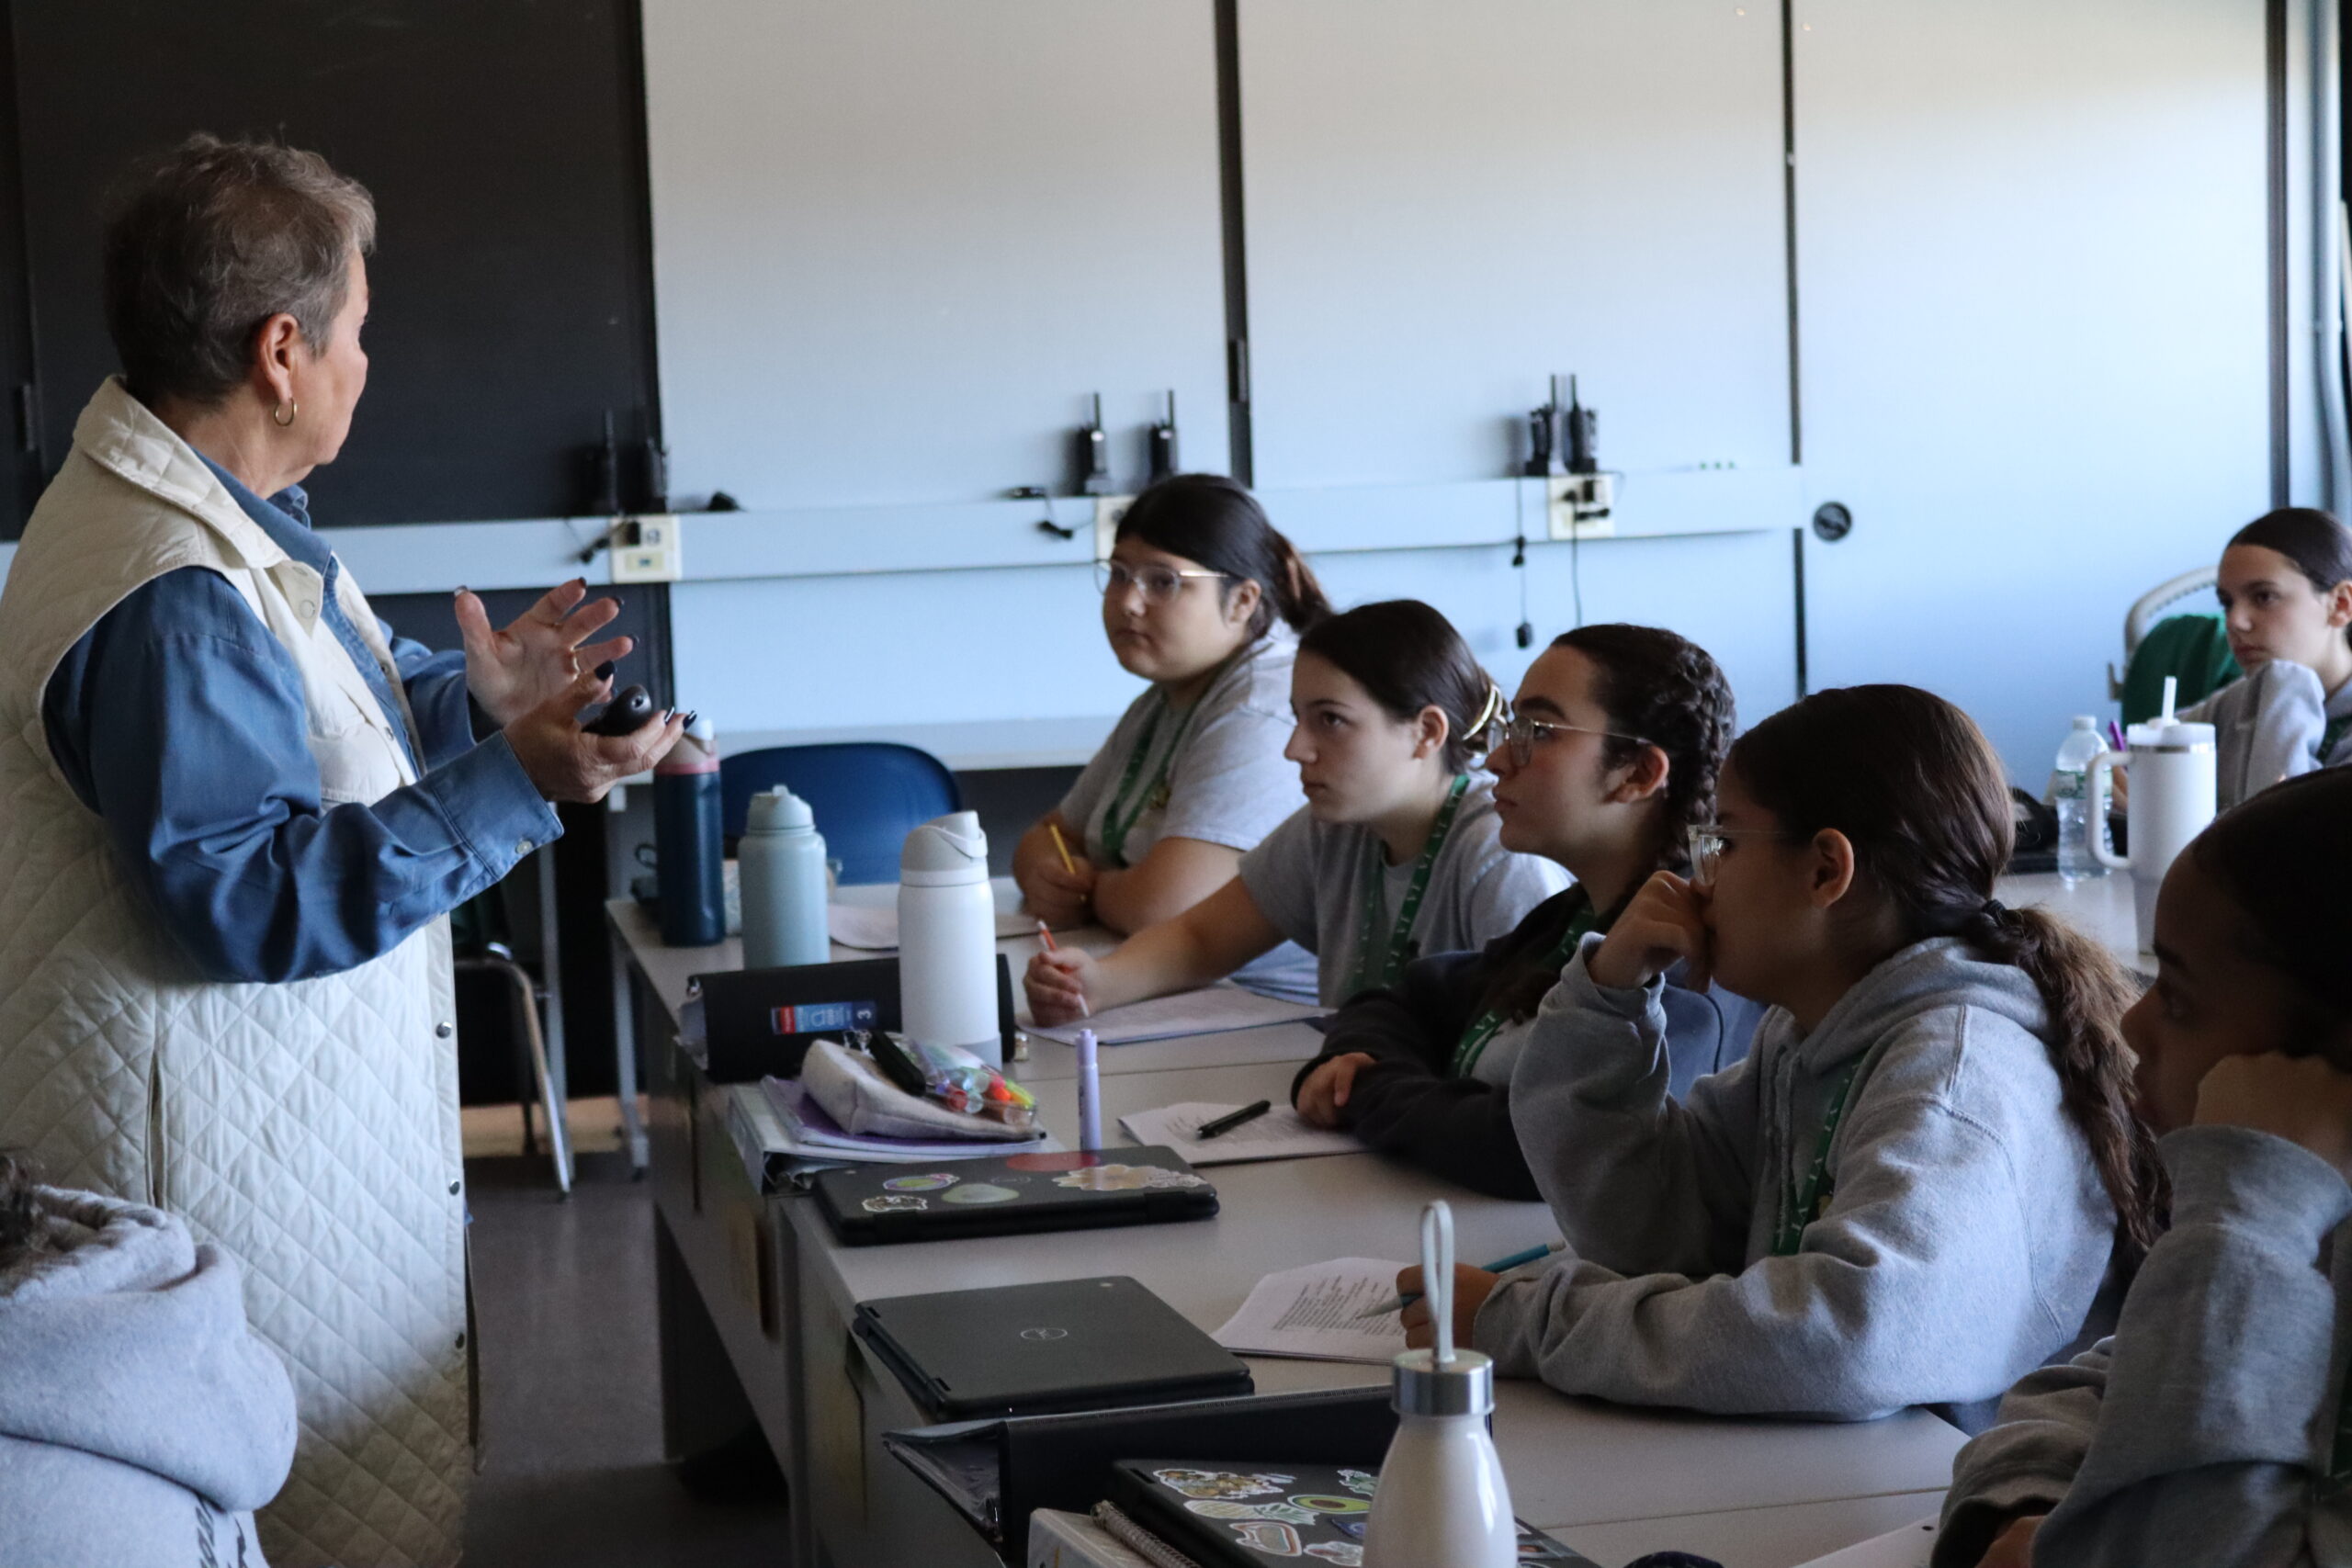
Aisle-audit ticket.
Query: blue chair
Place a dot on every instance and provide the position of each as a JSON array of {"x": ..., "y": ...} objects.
[{"x": 867, "y": 796}]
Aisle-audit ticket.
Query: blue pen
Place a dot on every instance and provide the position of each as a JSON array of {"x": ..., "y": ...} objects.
[{"x": 1399, "y": 1302}]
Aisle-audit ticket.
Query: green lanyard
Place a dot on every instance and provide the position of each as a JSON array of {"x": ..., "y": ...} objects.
[
  {"x": 1800, "y": 1206},
  {"x": 1487, "y": 1024},
  {"x": 1119, "y": 818},
  {"x": 1371, "y": 972}
]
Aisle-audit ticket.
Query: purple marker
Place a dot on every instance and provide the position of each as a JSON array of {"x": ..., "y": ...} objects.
[{"x": 1089, "y": 1094}]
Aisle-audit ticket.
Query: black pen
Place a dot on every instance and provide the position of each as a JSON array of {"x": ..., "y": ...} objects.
[{"x": 1231, "y": 1120}]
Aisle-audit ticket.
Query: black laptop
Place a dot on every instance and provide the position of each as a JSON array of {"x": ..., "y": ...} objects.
[
  {"x": 1234, "y": 1514},
  {"x": 1011, "y": 1194},
  {"x": 1065, "y": 1345}
]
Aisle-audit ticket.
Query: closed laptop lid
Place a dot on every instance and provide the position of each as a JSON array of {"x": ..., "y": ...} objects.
[{"x": 1063, "y": 1344}]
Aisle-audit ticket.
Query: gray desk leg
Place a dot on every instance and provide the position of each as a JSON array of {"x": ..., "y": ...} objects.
[
  {"x": 624, "y": 1055},
  {"x": 551, "y": 966}
]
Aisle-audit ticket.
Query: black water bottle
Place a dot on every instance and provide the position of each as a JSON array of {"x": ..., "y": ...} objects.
[{"x": 688, "y": 863}]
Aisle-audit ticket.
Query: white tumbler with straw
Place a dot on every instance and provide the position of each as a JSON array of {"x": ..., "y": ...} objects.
[
  {"x": 2173, "y": 795},
  {"x": 1442, "y": 1502}
]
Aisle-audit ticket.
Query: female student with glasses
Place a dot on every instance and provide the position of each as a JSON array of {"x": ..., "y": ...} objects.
[
  {"x": 1395, "y": 851},
  {"x": 1611, "y": 754},
  {"x": 1911, "y": 1190},
  {"x": 1203, "y": 599}
]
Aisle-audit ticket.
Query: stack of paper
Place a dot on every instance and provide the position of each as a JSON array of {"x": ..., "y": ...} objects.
[
  {"x": 1213, "y": 1009},
  {"x": 1280, "y": 1134},
  {"x": 1316, "y": 1314},
  {"x": 874, "y": 928}
]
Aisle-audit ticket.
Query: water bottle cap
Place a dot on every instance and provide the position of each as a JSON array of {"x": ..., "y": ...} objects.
[
  {"x": 2085, "y": 721},
  {"x": 780, "y": 810},
  {"x": 954, "y": 844},
  {"x": 1464, "y": 1386}
]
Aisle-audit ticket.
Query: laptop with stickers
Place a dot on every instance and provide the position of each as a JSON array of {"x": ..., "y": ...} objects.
[
  {"x": 1251, "y": 1515},
  {"x": 1011, "y": 1195}
]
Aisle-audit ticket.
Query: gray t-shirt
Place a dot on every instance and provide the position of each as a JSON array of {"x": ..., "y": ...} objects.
[
  {"x": 1226, "y": 783},
  {"x": 1308, "y": 878}
]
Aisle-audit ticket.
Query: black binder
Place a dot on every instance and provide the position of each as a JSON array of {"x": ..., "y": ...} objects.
[{"x": 755, "y": 1021}]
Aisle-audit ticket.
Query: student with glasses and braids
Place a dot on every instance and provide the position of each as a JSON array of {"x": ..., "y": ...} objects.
[
  {"x": 1610, "y": 757},
  {"x": 1205, "y": 600},
  {"x": 1912, "y": 1190},
  {"x": 1395, "y": 852},
  {"x": 2215, "y": 1427}
]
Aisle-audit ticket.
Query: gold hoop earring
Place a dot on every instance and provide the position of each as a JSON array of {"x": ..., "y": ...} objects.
[{"x": 283, "y": 414}]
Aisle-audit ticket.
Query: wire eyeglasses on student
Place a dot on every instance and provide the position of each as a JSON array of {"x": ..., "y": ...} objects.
[
  {"x": 1523, "y": 735},
  {"x": 1159, "y": 583},
  {"x": 1707, "y": 841}
]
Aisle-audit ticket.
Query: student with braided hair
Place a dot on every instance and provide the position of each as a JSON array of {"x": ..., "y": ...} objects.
[
  {"x": 1912, "y": 1190},
  {"x": 1610, "y": 757}
]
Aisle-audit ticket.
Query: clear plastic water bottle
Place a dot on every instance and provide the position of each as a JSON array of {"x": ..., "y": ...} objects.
[{"x": 2078, "y": 816}]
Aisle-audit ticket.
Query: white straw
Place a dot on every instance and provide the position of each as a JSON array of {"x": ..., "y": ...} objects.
[
  {"x": 2172, "y": 695},
  {"x": 1437, "y": 1275}
]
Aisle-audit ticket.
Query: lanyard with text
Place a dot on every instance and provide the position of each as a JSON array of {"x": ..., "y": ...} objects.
[
  {"x": 1380, "y": 969},
  {"x": 1487, "y": 1024},
  {"x": 1800, "y": 1206}
]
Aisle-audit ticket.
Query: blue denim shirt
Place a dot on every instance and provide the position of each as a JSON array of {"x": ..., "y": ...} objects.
[{"x": 179, "y": 718}]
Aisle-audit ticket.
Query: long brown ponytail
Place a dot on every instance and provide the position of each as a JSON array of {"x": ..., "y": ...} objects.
[
  {"x": 1913, "y": 784},
  {"x": 1210, "y": 519}
]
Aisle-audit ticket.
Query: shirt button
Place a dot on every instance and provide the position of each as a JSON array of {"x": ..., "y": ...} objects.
[
  {"x": 462, "y": 1341},
  {"x": 453, "y": 1189},
  {"x": 442, "y": 1030},
  {"x": 524, "y": 847}
]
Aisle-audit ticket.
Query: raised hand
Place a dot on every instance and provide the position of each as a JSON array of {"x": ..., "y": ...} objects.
[
  {"x": 1666, "y": 923},
  {"x": 513, "y": 671}
]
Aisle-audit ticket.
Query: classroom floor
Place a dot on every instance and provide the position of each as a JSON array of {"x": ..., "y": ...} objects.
[{"x": 571, "y": 1385}]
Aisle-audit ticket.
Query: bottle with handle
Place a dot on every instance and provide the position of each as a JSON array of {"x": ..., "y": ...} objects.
[
  {"x": 948, "y": 938},
  {"x": 2173, "y": 798},
  {"x": 783, "y": 860},
  {"x": 1443, "y": 1499}
]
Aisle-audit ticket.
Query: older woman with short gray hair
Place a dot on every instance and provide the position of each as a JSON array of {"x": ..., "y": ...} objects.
[{"x": 236, "y": 810}]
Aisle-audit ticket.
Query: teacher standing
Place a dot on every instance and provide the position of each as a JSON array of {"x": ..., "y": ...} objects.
[{"x": 234, "y": 814}]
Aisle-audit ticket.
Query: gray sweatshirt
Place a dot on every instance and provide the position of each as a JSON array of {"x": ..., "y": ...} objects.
[
  {"x": 2272, "y": 725},
  {"x": 1964, "y": 1236},
  {"x": 141, "y": 1420},
  {"x": 2199, "y": 1435}
]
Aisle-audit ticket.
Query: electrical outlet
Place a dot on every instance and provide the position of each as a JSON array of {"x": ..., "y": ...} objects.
[
  {"x": 1108, "y": 509},
  {"x": 647, "y": 549},
  {"x": 1579, "y": 505}
]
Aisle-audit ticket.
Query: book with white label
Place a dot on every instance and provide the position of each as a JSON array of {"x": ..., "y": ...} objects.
[
  {"x": 1281, "y": 1134},
  {"x": 1316, "y": 1313}
]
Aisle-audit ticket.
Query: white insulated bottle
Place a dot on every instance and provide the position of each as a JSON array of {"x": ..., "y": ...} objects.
[
  {"x": 948, "y": 938},
  {"x": 1442, "y": 1501},
  {"x": 782, "y": 857}
]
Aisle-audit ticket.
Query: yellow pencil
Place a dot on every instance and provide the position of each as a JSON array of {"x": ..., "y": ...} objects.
[{"x": 1061, "y": 848}]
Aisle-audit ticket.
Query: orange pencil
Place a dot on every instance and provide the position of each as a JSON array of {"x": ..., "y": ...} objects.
[{"x": 1047, "y": 936}]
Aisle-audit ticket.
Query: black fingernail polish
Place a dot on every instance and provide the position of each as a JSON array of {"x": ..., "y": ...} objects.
[{"x": 604, "y": 671}]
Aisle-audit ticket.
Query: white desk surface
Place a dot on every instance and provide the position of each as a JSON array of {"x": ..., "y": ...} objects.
[
  {"x": 668, "y": 969},
  {"x": 2100, "y": 908},
  {"x": 1570, "y": 1461}
]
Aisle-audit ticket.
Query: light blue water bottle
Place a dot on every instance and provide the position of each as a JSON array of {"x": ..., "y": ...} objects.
[{"x": 783, "y": 860}]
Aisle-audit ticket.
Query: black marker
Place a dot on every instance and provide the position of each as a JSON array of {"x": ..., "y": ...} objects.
[{"x": 1227, "y": 1123}]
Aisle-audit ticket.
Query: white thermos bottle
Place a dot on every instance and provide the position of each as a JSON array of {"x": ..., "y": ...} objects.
[
  {"x": 1442, "y": 1502},
  {"x": 2173, "y": 795},
  {"x": 948, "y": 938},
  {"x": 782, "y": 857}
]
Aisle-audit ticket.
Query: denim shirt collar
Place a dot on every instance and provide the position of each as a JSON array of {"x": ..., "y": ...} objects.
[{"x": 285, "y": 517}]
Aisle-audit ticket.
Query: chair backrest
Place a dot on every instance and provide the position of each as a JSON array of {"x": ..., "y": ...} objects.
[{"x": 867, "y": 796}]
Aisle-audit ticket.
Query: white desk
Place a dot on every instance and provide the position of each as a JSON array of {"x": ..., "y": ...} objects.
[
  {"x": 1612, "y": 1481},
  {"x": 2100, "y": 908}
]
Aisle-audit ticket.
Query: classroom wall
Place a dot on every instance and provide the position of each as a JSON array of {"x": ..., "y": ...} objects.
[{"x": 2032, "y": 285}]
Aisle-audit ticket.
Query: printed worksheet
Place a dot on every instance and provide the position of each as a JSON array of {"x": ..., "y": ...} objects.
[
  {"x": 1316, "y": 1313},
  {"x": 1280, "y": 1134},
  {"x": 1212, "y": 1009},
  {"x": 874, "y": 928}
]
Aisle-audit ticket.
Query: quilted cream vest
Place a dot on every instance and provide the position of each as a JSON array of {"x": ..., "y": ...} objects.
[{"x": 309, "y": 1128}]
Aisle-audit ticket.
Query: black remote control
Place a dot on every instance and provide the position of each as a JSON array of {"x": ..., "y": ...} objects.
[{"x": 625, "y": 714}]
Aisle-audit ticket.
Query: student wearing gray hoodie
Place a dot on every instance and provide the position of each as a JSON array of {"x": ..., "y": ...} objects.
[
  {"x": 2213, "y": 1428},
  {"x": 1909, "y": 1192},
  {"x": 141, "y": 1420}
]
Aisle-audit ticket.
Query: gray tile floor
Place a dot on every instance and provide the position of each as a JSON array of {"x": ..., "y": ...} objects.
[{"x": 571, "y": 1386}]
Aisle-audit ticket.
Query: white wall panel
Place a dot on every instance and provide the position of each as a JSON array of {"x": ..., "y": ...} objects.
[
  {"x": 2034, "y": 279},
  {"x": 898, "y": 241},
  {"x": 1447, "y": 202}
]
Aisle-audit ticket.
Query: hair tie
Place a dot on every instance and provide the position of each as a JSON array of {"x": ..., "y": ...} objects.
[
  {"x": 1999, "y": 916},
  {"x": 1487, "y": 714}
]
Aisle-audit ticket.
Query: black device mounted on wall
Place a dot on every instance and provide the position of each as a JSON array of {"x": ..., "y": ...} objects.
[
  {"x": 1583, "y": 434},
  {"x": 1543, "y": 437},
  {"x": 1163, "y": 442},
  {"x": 1093, "y": 454}
]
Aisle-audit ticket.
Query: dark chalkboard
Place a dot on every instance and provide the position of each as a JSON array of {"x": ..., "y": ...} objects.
[{"x": 503, "y": 140}]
